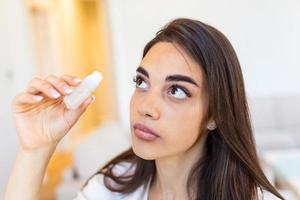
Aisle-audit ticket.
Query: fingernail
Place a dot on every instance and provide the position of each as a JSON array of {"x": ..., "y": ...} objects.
[
  {"x": 77, "y": 80},
  {"x": 54, "y": 94},
  {"x": 38, "y": 98},
  {"x": 67, "y": 89}
]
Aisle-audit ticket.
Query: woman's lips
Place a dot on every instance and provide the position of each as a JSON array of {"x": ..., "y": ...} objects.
[{"x": 144, "y": 133}]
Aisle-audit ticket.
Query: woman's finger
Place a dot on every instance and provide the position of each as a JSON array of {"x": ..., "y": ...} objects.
[
  {"x": 37, "y": 86},
  {"x": 60, "y": 84},
  {"x": 85, "y": 104},
  {"x": 27, "y": 98},
  {"x": 71, "y": 80},
  {"x": 73, "y": 115}
]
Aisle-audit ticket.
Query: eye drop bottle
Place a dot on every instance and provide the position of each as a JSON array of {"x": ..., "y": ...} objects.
[{"x": 83, "y": 91}]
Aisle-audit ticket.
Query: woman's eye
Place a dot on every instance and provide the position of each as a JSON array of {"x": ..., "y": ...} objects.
[
  {"x": 179, "y": 92},
  {"x": 139, "y": 82}
]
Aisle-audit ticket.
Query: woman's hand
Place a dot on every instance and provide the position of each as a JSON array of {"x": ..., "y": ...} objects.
[{"x": 40, "y": 116}]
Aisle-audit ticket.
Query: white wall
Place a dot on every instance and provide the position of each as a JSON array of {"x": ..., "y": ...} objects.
[
  {"x": 15, "y": 70},
  {"x": 265, "y": 34}
]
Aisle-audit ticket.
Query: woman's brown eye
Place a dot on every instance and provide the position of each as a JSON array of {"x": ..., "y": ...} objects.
[
  {"x": 139, "y": 82},
  {"x": 179, "y": 92},
  {"x": 173, "y": 90}
]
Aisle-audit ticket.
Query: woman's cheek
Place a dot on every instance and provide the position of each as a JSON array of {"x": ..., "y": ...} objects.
[
  {"x": 187, "y": 125},
  {"x": 133, "y": 104}
]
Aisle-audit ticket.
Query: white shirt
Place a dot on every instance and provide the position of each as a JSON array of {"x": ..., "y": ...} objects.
[{"x": 95, "y": 189}]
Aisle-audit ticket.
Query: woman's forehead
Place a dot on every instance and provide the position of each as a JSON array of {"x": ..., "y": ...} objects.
[{"x": 166, "y": 58}]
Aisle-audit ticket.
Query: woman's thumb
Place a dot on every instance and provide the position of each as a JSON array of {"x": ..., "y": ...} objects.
[{"x": 73, "y": 115}]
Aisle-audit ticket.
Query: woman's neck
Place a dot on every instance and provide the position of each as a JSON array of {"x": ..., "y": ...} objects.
[{"x": 172, "y": 173}]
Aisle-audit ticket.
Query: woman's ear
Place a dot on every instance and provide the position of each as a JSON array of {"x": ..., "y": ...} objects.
[{"x": 211, "y": 125}]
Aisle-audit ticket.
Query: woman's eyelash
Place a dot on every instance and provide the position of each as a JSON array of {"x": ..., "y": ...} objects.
[
  {"x": 188, "y": 94},
  {"x": 138, "y": 78}
]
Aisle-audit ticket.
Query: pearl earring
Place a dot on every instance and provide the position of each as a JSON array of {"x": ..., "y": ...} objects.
[{"x": 212, "y": 126}]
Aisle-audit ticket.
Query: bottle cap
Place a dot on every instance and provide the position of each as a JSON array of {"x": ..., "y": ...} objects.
[{"x": 94, "y": 78}]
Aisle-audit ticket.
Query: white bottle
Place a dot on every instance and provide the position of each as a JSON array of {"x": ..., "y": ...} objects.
[{"x": 83, "y": 91}]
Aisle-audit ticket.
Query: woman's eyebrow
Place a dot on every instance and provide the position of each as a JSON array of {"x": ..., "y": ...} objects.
[
  {"x": 142, "y": 71},
  {"x": 175, "y": 77},
  {"x": 178, "y": 77}
]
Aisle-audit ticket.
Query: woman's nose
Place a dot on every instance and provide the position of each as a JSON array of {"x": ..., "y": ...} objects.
[{"x": 149, "y": 106}]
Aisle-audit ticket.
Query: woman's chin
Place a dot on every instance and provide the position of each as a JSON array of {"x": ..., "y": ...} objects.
[{"x": 143, "y": 153}]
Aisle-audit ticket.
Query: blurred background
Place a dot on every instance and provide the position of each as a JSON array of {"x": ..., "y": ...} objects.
[{"x": 76, "y": 37}]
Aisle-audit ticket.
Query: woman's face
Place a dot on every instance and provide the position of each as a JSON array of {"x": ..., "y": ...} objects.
[{"x": 169, "y": 100}]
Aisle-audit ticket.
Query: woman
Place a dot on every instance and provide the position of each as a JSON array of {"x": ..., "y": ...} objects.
[{"x": 191, "y": 133}]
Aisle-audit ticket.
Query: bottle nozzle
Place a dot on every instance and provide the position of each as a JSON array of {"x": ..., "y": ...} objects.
[{"x": 95, "y": 77}]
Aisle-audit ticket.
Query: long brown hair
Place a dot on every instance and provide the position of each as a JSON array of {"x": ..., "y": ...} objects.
[{"x": 229, "y": 168}]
